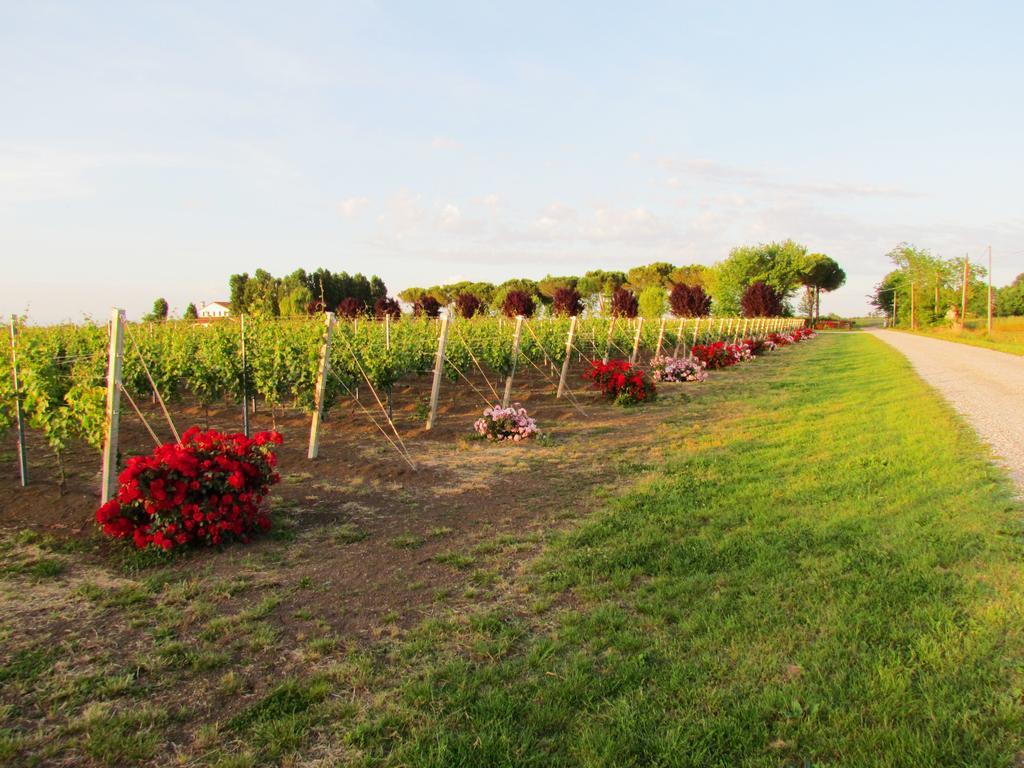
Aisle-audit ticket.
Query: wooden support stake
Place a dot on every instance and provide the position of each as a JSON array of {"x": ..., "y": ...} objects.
[
  {"x": 387, "y": 346},
  {"x": 22, "y": 453},
  {"x": 115, "y": 360},
  {"x": 321, "y": 388},
  {"x": 636, "y": 341},
  {"x": 721, "y": 325},
  {"x": 680, "y": 341},
  {"x": 696, "y": 332},
  {"x": 245, "y": 384},
  {"x": 661, "y": 338},
  {"x": 435, "y": 391},
  {"x": 568, "y": 357},
  {"x": 507, "y": 398},
  {"x": 608, "y": 345}
]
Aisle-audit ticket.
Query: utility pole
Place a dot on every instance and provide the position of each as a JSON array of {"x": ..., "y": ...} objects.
[
  {"x": 963, "y": 300},
  {"x": 989, "y": 328}
]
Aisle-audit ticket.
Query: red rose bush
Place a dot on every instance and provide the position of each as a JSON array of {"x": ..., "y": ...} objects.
[
  {"x": 207, "y": 489},
  {"x": 621, "y": 381}
]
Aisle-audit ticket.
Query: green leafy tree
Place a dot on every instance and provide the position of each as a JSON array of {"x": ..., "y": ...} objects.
[
  {"x": 158, "y": 313},
  {"x": 653, "y": 301},
  {"x": 691, "y": 274},
  {"x": 237, "y": 285},
  {"x": 655, "y": 274},
  {"x": 548, "y": 286},
  {"x": 1010, "y": 299},
  {"x": 261, "y": 295},
  {"x": 821, "y": 273},
  {"x": 781, "y": 266},
  {"x": 598, "y": 286},
  {"x": 191, "y": 313}
]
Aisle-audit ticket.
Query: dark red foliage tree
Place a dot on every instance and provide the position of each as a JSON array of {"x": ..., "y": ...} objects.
[
  {"x": 625, "y": 303},
  {"x": 567, "y": 302},
  {"x": 386, "y": 306},
  {"x": 426, "y": 306},
  {"x": 689, "y": 301},
  {"x": 350, "y": 308},
  {"x": 467, "y": 305},
  {"x": 315, "y": 307},
  {"x": 518, "y": 303},
  {"x": 761, "y": 300}
]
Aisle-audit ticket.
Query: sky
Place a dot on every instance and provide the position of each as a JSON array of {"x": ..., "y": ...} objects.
[{"x": 152, "y": 149}]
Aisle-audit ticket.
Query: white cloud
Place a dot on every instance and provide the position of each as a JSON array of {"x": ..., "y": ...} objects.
[
  {"x": 351, "y": 207},
  {"x": 443, "y": 142},
  {"x": 720, "y": 173}
]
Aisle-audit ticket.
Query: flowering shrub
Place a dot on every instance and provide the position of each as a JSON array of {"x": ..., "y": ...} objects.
[
  {"x": 512, "y": 424},
  {"x": 714, "y": 356},
  {"x": 721, "y": 355},
  {"x": 780, "y": 339},
  {"x": 206, "y": 489},
  {"x": 741, "y": 352},
  {"x": 621, "y": 381},
  {"x": 801, "y": 334},
  {"x": 677, "y": 369}
]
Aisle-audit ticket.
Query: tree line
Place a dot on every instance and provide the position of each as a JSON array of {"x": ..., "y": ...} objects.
[
  {"x": 938, "y": 288},
  {"x": 771, "y": 279}
]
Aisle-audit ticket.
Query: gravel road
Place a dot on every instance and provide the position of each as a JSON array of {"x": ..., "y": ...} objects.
[{"x": 987, "y": 387}]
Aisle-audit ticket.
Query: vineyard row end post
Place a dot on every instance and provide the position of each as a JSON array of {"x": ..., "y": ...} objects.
[
  {"x": 568, "y": 357},
  {"x": 389, "y": 393},
  {"x": 507, "y": 398},
  {"x": 435, "y": 390},
  {"x": 115, "y": 362},
  {"x": 245, "y": 382},
  {"x": 22, "y": 453},
  {"x": 321, "y": 388}
]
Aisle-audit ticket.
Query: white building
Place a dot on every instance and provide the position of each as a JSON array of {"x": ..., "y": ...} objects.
[{"x": 215, "y": 309}]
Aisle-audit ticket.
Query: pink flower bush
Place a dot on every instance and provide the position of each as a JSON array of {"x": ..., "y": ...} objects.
[
  {"x": 513, "y": 424},
  {"x": 667, "y": 368}
]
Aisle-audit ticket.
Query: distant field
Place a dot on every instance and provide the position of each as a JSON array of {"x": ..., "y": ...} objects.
[{"x": 1007, "y": 334}]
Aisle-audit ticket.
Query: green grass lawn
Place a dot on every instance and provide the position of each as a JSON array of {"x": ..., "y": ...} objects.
[
  {"x": 821, "y": 568},
  {"x": 1007, "y": 334},
  {"x": 825, "y": 571}
]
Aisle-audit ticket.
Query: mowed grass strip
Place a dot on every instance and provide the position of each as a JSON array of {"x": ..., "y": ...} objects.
[
  {"x": 1007, "y": 334},
  {"x": 827, "y": 571}
]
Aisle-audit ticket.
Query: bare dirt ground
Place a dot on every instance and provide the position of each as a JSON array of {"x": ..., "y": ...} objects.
[
  {"x": 985, "y": 386},
  {"x": 363, "y": 550}
]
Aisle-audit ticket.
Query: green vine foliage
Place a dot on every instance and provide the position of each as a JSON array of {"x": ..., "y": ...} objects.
[{"x": 63, "y": 367}]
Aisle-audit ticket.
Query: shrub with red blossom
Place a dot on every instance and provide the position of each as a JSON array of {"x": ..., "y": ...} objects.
[
  {"x": 467, "y": 305},
  {"x": 625, "y": 303},
  {"x": 385, "y": 306},
  {"x": 716, "y": 355},
  {"x": 566, "y": 302},
  {"x": 207, "y": 489},
  {"x": 518, "y": 303},
  {"x": 621, "y": 381}
]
